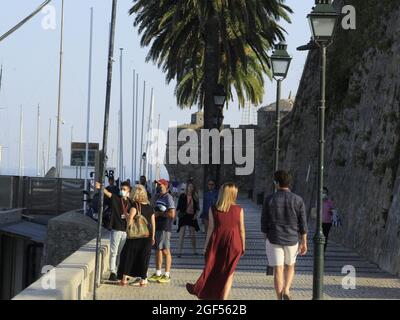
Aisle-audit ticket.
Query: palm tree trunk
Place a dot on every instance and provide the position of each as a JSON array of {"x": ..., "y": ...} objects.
[{"x": 211, "y": 77}]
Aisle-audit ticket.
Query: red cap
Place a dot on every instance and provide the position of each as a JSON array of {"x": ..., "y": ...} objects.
[{"x": 163, "y": 182}]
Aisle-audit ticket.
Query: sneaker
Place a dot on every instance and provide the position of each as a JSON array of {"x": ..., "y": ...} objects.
[
  {"x": 155, "y": 278},
  {"x": 164, "y": 279},
  {"x": 113, "y": 277}
]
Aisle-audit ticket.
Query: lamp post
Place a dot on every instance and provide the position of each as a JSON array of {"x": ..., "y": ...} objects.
[
  {"x": 280, "y": 61},
  {"x": 219, "y": 101},
  {"x": 322, "y": 23}
]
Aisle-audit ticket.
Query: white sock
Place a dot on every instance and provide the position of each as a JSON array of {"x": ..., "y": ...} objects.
[
  {"x": 167, "y": 274},
  {"x": 158, "y": 273}
]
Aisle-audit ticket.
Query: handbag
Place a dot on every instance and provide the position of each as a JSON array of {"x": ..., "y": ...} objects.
[{"x": 138, "y": 229}]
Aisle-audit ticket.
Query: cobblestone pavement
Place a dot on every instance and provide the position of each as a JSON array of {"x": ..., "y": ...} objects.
[{"x": 250, "y": 281}]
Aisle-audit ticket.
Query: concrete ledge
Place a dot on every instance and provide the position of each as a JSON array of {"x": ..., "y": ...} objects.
[
  {"x": 10, "y": 216},
  {"x": 73, "y": 277}
]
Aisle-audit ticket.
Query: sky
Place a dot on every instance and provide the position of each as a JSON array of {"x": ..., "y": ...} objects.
[{"x": 30, "y": 59}]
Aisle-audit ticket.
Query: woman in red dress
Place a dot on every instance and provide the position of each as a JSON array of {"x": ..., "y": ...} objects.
[{"x": 225, "y": 244}]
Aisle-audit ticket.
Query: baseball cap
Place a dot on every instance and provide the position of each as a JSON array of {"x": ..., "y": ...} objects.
[{"x": 163, "y": 182}]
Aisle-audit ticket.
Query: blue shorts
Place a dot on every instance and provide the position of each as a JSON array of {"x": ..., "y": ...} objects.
[{"x": 163, "y": 240}]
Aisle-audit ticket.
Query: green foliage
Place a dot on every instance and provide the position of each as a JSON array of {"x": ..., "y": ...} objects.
[{"x": 175, "y": 32}]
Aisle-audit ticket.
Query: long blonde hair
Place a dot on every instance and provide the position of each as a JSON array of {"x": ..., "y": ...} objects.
[
  {"x": 227, "y": 197},
  {"x": 140, "y": 194}
]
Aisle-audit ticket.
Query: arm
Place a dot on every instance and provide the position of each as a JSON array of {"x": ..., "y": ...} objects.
[
  {"x": 132, "y": 214},
  {"x": 171, "y": 213},
  {"x": 179, "y": 206},
  {"x": 302, "y": 220},
  {"x": 264, "y": 218},
  {"x": 210, "y": 229},
  {"x": 242, "y": 230},
  {"x": 153, "y": 229},
  {"x": 196, "y": 207},
  {"x": 107, "y": 193}
]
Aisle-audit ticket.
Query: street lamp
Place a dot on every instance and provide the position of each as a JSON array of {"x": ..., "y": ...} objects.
[
  {"x": 280, "y": 61},
  {"x": 220, "y": 96},
  {"x": 322, "y": 23}
]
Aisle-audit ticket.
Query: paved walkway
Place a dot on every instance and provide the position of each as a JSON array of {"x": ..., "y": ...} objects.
[{"x": 250, "y": 281}]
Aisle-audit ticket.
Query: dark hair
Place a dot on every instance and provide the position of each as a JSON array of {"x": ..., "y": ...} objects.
[
  {"x": 126, "y": 184},
  {"x": 111, "y": 178},
  {"x": 326, "y": 189},
  {"x": 283, "y": 178}
]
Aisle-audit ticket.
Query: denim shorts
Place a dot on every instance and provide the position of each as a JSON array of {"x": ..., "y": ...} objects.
[{"x": 163, "y": 240}]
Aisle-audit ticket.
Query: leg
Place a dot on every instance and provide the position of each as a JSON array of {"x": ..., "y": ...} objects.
[
  {"x": 114, "y": 242},
  {"x": 290, "y": 253},
  {"x": 122, "y": 240},
  {"x": 228, "y": 287},
  {"x": 205, "y": 225},
  {"x": 326, "y": 228},
  {"x": 193, "y": 237},
  {"x": 167, "y": 251},
  {"x": 276, "y": 258},
  {"x": 278, "y": 281},
  {"x": 159, "y": 259},
  {"x": 168, "y": 260},
  {"x": 181, "y": 238},
  {"x": 289, "y": 275}
]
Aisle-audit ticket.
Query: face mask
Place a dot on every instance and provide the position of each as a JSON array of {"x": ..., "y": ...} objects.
[
  {"x": 324, "y": 196},
  {"x": 123, "y": 193}
]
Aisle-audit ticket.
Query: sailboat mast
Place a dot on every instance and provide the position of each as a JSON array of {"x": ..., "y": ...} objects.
[{"x": 58, "y": 151}]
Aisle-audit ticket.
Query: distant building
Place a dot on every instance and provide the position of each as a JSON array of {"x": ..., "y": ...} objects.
[
  {"x": 78, "y": 154},
  {"x": 196, "y": 171}
]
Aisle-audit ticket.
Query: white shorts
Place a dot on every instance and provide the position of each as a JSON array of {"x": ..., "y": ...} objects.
[{"x": 281, "y": 255}]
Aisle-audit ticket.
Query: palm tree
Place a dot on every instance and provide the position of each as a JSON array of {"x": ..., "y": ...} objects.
[{"x": 206, "y": 43}]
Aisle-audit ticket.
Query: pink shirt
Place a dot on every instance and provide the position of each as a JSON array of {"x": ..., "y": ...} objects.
[{"x": 327, "y": 211}]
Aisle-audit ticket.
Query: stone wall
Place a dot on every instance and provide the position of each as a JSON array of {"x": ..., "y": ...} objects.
[
  {"x": 363, "y": 132},
  {"x": 66, "y": 234}
]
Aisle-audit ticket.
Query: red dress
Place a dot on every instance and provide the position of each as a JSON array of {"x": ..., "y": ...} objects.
[{"x": 222, "y": 255}]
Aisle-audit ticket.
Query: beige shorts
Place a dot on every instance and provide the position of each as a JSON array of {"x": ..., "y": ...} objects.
[{"x": 281, "y": 255}]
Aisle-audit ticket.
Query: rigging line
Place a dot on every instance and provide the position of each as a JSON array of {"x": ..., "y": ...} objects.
[{"x": 21, "y": 23}]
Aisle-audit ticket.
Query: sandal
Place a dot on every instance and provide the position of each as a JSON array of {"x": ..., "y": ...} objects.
[{"x": 143, "y": 283}]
